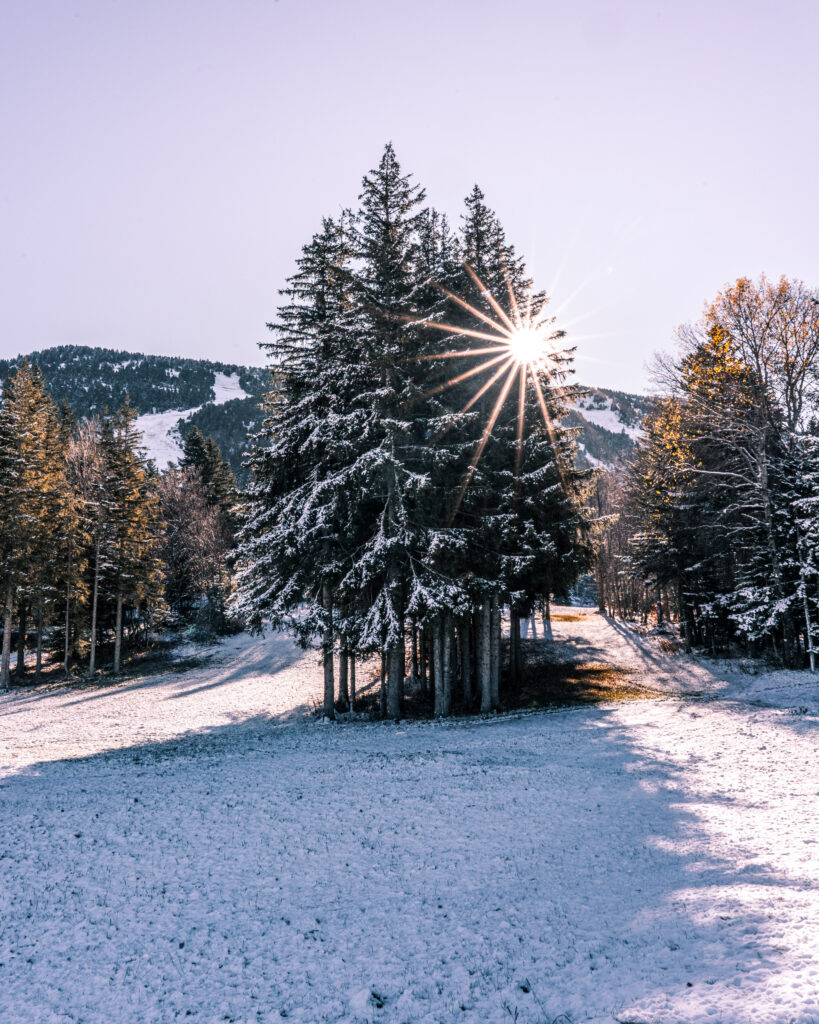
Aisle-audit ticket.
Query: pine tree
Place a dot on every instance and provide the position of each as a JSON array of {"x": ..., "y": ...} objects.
[
  {"x": 32, "y": 492},
  {"x": 203, "y": 455},
  {"x": 297, "y": 515},
  {"x": 357, "y": 511},
  {"x": 134, "y": 571}
]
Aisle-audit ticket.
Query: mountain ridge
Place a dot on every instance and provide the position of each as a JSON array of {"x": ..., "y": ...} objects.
[{"x": 173, "y": 394}]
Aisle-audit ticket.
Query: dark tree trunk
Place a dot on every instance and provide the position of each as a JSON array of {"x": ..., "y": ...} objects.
[
  {"x": 343, "y": 690},
  {"x": 5, "y": 660},
  {"x": 495, "y": 650},
  {"x": 327, "y": 652},
  {"x": 38, "y": 671},
  {"x": 485, "y": 656},
  {"x": 22, "y": 622},
  {"x": 466, "y": 660},
  {"x": 118, "y": 637},
  {"x": 395, "y": 683},
  {"x": 438, "y": 642},
  {"x": 92, "y": 658}
]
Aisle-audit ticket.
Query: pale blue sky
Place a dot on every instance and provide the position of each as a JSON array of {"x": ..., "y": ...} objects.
[{"x": 163, "y": 162}]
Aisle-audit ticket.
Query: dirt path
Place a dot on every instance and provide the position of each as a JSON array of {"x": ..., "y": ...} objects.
[{"x": 584, "y": 635}]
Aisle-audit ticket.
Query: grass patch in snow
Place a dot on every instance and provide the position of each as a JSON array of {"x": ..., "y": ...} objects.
[
  {"x": 543, "y": 683},
  {"x": 569, "y": 684}
]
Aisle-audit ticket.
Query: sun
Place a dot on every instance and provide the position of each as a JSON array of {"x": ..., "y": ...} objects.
[{"x": 529, "y": 347}]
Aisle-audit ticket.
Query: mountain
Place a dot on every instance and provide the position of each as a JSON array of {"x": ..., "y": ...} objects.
[
  {"x": 609, "y": 423},
  {"x": 174, "y": 394}
]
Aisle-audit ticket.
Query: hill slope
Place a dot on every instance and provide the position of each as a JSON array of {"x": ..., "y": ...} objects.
[{"x": 174, "y": 394}]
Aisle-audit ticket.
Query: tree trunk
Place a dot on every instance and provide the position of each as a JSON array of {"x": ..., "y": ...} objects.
[
  {"x": 485, "y": 657},
  {"x": 806, "y": 609},
  {"x": 495, "y": 650},
  {"x": 343, "y": 690},
  {"x": 514, "y": 647},
  {"x": 327, "y": 639},
  {"x": 422, "y": 664},
  {"x": 92, "y": 657},
  {"x": 395, "y": 681},
  {"x": 352, "y": 682},
  {"x": 430, "y": 637},
  {"x": 414, "y": 655},
  {"x": 38, "y": 671},
  {"x": 438, "y": 666},
  {"x": 118, "y": 636},
  {"x": 547, "y": 621},
  {"x": 446, "y": 665},
  {"x": 466, "y": 661},
  {"x": 67, "y": 644},
  {"x": 22, "y": 622},
  {"x": 382, "y": 697},
  {"x": 5, "y": 660}
]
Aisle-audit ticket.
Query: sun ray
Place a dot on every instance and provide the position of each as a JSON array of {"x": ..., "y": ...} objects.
[
  {"x": 487, "y": 385},
  {"x": 513, "y": 302},
  {"x": 466, "y": 375},
  {"x": 487, "y": 433},
  {"x": 478, "y": 394},
  {"x": 524, "y": 344},
  {"x": 464, "y": 331},
  {"x": 490, "y": 298},
  {"x": 471, "y": 309},
  {"x": 547, "y": 421},
  {"x": 462, "y": 353}
]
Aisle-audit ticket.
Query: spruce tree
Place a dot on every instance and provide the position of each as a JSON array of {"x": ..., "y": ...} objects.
[
  {"x": 297, "y": 520},
  {"x": 134, "y": 569}
]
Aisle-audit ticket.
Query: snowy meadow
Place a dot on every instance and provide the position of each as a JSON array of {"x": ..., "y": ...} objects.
[{"x": 200, "y": 845}]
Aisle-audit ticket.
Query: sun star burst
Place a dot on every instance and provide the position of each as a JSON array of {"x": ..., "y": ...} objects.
[{"x": 523, "y": 346}]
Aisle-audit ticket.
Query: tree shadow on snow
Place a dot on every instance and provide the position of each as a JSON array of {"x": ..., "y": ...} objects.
[{"x": 550, "y": 863}]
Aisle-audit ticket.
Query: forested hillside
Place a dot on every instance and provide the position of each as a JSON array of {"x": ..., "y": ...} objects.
[{"x": 92, "y": 379}]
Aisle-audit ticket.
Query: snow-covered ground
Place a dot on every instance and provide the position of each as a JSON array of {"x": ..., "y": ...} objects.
[
  {"x": 195, "y": 847},
  {"x": 160, "y": 436}
]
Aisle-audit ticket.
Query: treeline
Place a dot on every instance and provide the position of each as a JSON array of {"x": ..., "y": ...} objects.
[
  {"x": 96, "y": 546},
  {"x": 384, "y": 515},
  {"x": 90, "y": 380},
  {"x": 717, "y": 516}
]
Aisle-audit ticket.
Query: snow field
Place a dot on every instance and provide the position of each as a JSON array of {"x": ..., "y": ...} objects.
[
  {"x": 159, "y": 434},
  {"x": 193, "y": 848}
]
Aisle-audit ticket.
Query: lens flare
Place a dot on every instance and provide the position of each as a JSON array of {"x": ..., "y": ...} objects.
[{"x": 525, "y": 345}]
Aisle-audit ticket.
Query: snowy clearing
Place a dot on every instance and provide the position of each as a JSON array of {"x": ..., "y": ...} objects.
[{"x": 195, "y": 846}]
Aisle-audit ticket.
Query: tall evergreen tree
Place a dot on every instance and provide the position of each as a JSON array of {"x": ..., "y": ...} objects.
[{"x": 135, "y": 572}]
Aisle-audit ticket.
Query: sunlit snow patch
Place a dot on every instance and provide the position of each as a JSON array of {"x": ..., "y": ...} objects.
[{"x": 160, "y": 433}]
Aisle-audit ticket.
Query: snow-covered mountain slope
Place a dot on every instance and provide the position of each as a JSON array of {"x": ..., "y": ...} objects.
[
  {"x": 162, "y": 431},
  {"x": 171, "y": 394},
  {"x": 610, "y": 423}
]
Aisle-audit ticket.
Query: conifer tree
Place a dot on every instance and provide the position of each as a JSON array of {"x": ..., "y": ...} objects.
[
  {"x": 297, "y": 516},
  {"x": 134, "y": 570},
  {"x": 32, "y": 487}
]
